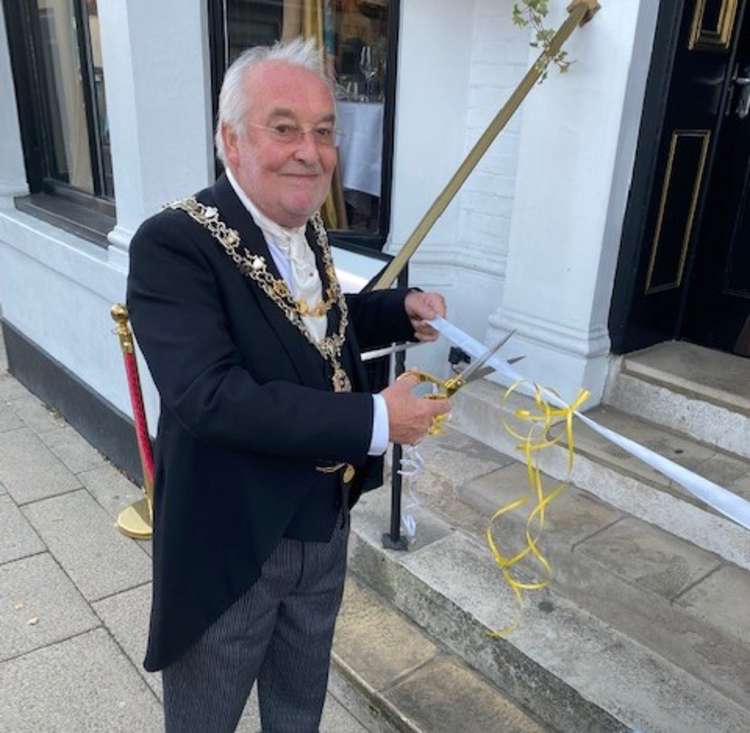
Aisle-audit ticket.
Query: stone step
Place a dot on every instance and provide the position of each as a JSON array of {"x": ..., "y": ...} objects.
[
  {"x": 615, "y": 643},
  {"x": 669, "y": 595},
  {"x": 606, "y": 471},
  {"x": 393, "y": 677},
  {"x": 696, "y": 391}
]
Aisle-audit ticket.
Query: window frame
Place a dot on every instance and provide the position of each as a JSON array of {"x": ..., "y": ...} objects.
[
  {"x": 91, "y": 216},
  {"x": 359, "y": 242}
]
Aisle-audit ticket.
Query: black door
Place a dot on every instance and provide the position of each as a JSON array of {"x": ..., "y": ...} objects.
[
  {"x": 680, "y": 273},
  {"x": 718, "y": 303}
]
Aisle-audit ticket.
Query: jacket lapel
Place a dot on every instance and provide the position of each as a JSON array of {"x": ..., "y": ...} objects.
[{"x": 305, "y": 358}]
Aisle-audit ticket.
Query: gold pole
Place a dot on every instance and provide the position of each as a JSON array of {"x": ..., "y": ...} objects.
[
  {"x": 580, "y": 13},
  {"x": 136, "y": 520}
]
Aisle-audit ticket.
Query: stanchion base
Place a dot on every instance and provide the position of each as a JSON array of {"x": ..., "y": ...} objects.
[
  {"x": 135, "y": 521},
  {"x": 402, "y": 544}
]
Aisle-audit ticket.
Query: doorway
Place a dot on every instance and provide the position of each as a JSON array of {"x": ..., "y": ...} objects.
[{"x": 684, "y": 268}]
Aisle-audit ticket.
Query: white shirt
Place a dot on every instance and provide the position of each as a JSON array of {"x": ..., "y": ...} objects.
[{"x": 296, "y": 264}]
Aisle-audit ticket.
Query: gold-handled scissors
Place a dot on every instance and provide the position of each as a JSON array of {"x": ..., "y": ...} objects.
[{"x": 448, "y": 387}]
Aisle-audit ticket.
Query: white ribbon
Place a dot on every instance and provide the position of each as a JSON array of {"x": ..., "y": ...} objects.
[
  {"x": 412, "y": 466},
  {"x": 729, "y": 504}
]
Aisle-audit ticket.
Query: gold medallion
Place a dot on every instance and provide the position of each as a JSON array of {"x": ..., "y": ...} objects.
[{"x": 340, "y": 380}]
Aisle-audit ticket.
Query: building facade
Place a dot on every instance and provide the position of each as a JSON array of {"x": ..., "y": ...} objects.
[{"x": 579, "y": 229}]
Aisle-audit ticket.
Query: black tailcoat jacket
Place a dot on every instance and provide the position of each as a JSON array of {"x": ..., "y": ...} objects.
[{"x": 247, "y": 414}]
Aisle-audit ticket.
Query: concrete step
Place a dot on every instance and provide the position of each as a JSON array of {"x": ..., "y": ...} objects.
[
  {"x": 645, "y": 582},
  {"x": 607, "y": 472},
  {"x": 639, "y": 630},
  {"x": 393, "y": 677},
  {"x": 697, "y": 391}
]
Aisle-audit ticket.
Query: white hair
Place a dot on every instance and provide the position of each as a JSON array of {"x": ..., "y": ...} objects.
[{"x": 234, "y": 102}]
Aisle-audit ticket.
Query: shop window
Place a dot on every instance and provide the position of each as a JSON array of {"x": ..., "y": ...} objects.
[{"x": 59, "y": 82}]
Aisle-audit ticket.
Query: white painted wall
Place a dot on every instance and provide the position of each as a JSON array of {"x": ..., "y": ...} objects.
[
  {"x": 531, "y": 242},
  {"x": 56, "y": 288},
  {"x": 477, "y": 55},
  {"x": 575, "y": 164}
]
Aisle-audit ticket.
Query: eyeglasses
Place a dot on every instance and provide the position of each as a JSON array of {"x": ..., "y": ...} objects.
[{"x": 283, "y": 132}]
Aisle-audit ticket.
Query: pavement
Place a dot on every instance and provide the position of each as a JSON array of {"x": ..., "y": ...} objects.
[{"x": 74, "y": 592}]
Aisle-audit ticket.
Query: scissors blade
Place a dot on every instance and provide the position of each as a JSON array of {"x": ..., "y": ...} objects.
[
  {"x": 486, "y": 371},
  {"x": 475, "y": 366}
]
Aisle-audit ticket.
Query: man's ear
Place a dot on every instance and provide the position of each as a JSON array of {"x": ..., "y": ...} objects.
[{"x": 231, "y": 147}]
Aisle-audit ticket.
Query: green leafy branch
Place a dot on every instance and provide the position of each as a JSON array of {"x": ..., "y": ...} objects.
[{"x": 532, "y": 14}]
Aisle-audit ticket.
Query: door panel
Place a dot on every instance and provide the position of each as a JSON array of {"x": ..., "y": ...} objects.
[
  {"x": 718, "y": 302},
  {"x": 683, "y": 115}
]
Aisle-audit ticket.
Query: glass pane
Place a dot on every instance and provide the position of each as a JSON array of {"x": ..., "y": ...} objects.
[
  {"x": 354, "y": 35},
  {"x": 67, "y": 127},
  {"x": 100, "y": 102}
]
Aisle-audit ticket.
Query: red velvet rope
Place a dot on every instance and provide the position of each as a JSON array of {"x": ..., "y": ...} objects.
[{"x": 139, "y": 415}]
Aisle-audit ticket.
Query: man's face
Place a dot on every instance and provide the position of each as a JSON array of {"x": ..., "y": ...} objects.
[{"x": 287, "y": 181}]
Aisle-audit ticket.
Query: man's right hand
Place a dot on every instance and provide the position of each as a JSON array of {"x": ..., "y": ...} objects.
[{"x": 409, "y": 416}]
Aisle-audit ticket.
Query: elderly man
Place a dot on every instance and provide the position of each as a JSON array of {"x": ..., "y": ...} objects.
[{"x": 268, "y": 432}]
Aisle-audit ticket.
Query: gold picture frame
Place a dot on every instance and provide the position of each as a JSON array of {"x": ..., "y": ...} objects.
[{"x": 713, "y": 39}]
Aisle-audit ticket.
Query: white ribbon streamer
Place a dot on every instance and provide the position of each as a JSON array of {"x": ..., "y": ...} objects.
[
  {"x": 412, "y": 466},
  {"x": 729, "y": 504}
]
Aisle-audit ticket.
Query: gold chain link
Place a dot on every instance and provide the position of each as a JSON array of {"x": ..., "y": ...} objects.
[{"x": 254, "y": 266}]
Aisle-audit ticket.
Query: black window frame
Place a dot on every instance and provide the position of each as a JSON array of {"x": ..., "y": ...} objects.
[
  {"x": 360, "y": 242},
  {"x": 90, "y": 216}
]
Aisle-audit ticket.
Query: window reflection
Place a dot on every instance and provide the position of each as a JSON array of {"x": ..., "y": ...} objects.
[{"x": 76, "y": 130}]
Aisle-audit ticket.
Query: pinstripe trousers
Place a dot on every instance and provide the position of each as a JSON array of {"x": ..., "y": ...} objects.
[{"x": 279, "y": 632}]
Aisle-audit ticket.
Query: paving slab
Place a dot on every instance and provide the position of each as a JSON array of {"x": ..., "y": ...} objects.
[
  {"x": 444, "y": 697},
  {"x": 126, "y": 615},
  {"x": 458, "y": 458},
  {"x": 571, "y": 517},
  {"x": 29, "y": 470},
  {"x": 8, "y": 418},
  {"x": 645, "y": 555},
  {"x": 36, "y": 415},
  {"x": 682, "y": 450},
  {"x": 82, "y": 684},
  {"x": 73, "y": 450},
  {"x": 84, "y": 540},
  {"x": 11, "y": 389},
  {"x": 724, "y": 469},
  {"x": 110, "y": 488},
  {"x": 373, "y": 512},
  {"x": 722, "y": 600},
  {"x": 336, "y": 719},
  {"x": 375, "y": 640},
  {"x": 38, "y": 606},
  {"x": 17, "y": 537},
  {"x": 742, "y": 487}
]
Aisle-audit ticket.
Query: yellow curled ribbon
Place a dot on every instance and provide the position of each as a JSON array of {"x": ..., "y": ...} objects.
[{"x": 541, "y": 422}]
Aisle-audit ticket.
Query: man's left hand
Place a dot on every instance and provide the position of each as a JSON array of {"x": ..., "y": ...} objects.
[{"x": 422, "y": 307}]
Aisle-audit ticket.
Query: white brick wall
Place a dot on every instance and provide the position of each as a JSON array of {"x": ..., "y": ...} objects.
[{"x": 500, "y": 57}]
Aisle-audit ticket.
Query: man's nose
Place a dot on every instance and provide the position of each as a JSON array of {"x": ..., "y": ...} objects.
[{"x": 306, "y": 148}]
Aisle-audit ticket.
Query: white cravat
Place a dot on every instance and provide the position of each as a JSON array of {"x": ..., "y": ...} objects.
[{"x": 296, "y": 262}]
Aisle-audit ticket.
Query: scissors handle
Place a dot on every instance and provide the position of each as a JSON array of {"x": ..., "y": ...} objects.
[{"x": 446, "y": 388}]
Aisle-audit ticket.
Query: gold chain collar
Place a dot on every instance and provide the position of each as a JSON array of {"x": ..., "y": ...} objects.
[{"x": 254, "y": 267}]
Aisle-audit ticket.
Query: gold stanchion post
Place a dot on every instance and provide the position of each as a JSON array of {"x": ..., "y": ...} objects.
[{"x": 136, "y": 520}]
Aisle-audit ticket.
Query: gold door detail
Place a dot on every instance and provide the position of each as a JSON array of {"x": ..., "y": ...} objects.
[
  {"x": 686, "y": 162},
  {"x": 713, "y": 24}
]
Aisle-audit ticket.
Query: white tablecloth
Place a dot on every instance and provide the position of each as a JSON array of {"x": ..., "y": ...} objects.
[{"x": 361, "y": 145}]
